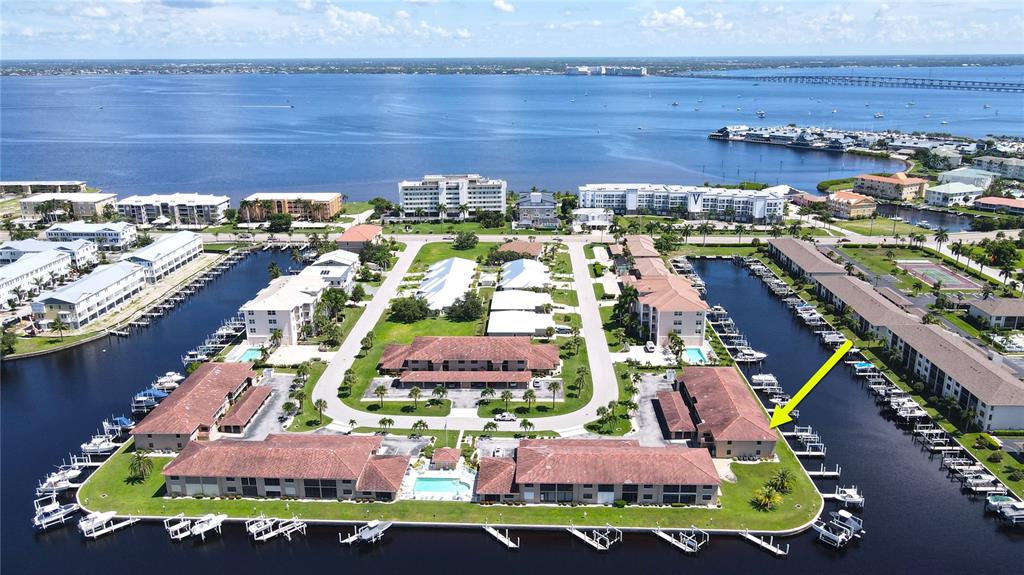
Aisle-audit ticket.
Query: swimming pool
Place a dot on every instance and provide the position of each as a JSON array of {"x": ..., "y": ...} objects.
[
  {"x": 695, "y": 355},
  {"x": 449, "y": 486},
  {"x": 251, "y": 354}
]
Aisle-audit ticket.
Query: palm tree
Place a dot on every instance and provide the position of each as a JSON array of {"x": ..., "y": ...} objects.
[
  {"x": 380, "y": 391},
  {"x": 554, "y": 386},
  {"x": 686, "y": 231},
  {"x": 766, "y": 499},
  {"x": 739, "y": 229},
  {"x": 415, "y": 394},
  {"x": 18, "y": 293},
  {"x": 302, "y": 372},
  {"x": 794, "y": 229},
  {"x": 506, "y": 396},
  {"x": 941, "y": 236},
  {"x": 299, "y": 396},
  {"x": 420, "y": 425},
  {"x": 140, "y": 464},
  {"x": 274, "y": 270},
  {"x": 529, "y": 396},
  {"x": 275, "y": 337},
  {"x": 782, "y": 481},
  {"x": 320, "y": 405},
  {"x": 385, "y": 423},
  {"x": 442, "y": 211},
  {"x": 463, "y": 210},
  {"x": 705, "y": 229},
  {"x": 957, "y": 248},
  {"x": 490, "y": 427},
  {"x": 59, "y": 326},
  {"x": 439, "y": 393},
  {"x": 775, "y": 231},
  {"x": 526, "y": 425},
  {"x": 487, "y": 392},
  {"x": 848, "y": 266}
]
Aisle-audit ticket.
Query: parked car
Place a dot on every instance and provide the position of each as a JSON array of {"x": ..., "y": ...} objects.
[
  {"x": 563, "y": 330},
  {"x": 649, "y": 347},
  {"x": 505, "y": 416}
]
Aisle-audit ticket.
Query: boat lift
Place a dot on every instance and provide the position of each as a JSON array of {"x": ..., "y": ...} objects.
[
  {"x": 50, "y": 512},
  {"x": 95, "y": 526},
  {"x": 600, "y": 539},
  {"x": 207, "y": 523},
  {"x": 688, "y": 540},
  {"x": 178, "y": 527},
  {"x": 372, "y": 532},
  {"x": 263, "y": 529},
  {"x": 825, "y": 473},
  {"x": 847, "y": 496}
]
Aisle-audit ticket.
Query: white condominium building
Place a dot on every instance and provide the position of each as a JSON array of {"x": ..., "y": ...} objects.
[
  {"x": 82, "y": 252},
  {"x": 166, "y": 254},
  {"x": 952, "y": 194},
  {"x": 175, "y": 209},
  {"x": 107, "y": 288},
  {"x": 88, "y": 205},
  {"x": 1007, "y": 167},
  {"x": 41, "y": 187},
  {"x": 758, "y": 206},
  {"x": 424, "y": 198},
  {"x": 114, "y": 235},
  {"x": 30, "y": 271}
]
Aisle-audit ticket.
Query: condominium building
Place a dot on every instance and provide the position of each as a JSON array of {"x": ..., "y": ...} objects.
[
  {"x": 83, "y": 252},
  {"x": 108, "y": 288},
  {"x": 284, "y": 306},
  {"x": 76, "y": 205},
  {"x": 899, "y": 187},
  {"x": 871, "y": 312},
  {"x": 538, "y": 210},
  {"x": 112, "y": 235},
  {"x": 598, "y": 471},
  {"x": 952, "y": 194},
  {"x": 469, "y": 361},
  {"x": 194, "y": 411},
  {"x": 996, "y": 204},
  {"x": 294, "y": 466},
  {"x": 767, "y": 205},
  {"x": 851, "y": 205},
  {"x": 30, "y": 271},
  {"x": 1006, "y": 167},
  {"x": 971, "y": 176},
  {"x": 42, "y": 187},
  {"x": 998, "y": 312},
  {"x": 167, "y": 254},
  {"x": 451, "y": 196},
  {"x": 307, "y": 206},
  {"x": 174, "y": 209},
  {"x": 669, "y": 304},
  {"x": 801, "y": 259},
  {"x": 593, "y": 218},
  {"x": 714, "y": 408}
]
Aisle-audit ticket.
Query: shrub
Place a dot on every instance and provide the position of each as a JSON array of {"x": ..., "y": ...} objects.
[
  {"x": 995, "y": 457},
  {"x": 465, "y": 241},
  {"x": 620, "y": 503}
]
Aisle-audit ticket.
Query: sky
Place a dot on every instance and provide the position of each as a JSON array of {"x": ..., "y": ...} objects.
[{"x": 179, "y": 29}]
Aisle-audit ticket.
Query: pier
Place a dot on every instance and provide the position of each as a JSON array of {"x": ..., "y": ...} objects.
[
  {"x": 768, "y": 545},
  {"x": 263, "y": 529},
  {"x": 823, "y": 473},
  {"x": 502, "y": 537},
  {"x": 600, "y": 539},
  {"x": 847, "y": 496},
  {"x": 688, "y": 540},
  {"x": 372, "y": 532},
  {"x": 106, "y": 525}
]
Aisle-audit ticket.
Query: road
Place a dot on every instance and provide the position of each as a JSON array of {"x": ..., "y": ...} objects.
[{"x": 600, "y": 362}]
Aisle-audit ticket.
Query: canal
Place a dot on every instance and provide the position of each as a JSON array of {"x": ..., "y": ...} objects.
[
  {"x": 933, "y": 219},
  {"x": 916, "y": 519}
]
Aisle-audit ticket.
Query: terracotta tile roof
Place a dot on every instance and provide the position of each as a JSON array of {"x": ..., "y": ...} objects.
[
  {"x": 446, "y": 455},
  {"x": 641, "y": 247},
  {"x": 532, "y": 249},
  {"x": 360, "y": 233},
  {"x": 615, "y": 249},
  {"x": 668, "y": 293},
  {"x": 726, "y": 407},
  {"x": 290, "y": 456},
  {"x": 673, "y": 408},
  {"x": 436, "y": 349},
  {"x": 612, "y": 461},
  {"x": 1000, "y": 202},
  {"x": 897, "y": 178},
  {"x": 383, "y": 473},
  {"x": 650, "y": 267},
  {"x": 495, "y": 475},
  {"x": 197, "y": 400},
  {"x": 466, "y": 376},
  {"x": 851, "y": 198},
  {"x": 246, "y": 407}
]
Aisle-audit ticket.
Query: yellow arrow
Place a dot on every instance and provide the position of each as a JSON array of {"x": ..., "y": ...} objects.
[{"x": 781, "y": 414}]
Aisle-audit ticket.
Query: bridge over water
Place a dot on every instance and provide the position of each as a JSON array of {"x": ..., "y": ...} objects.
[{"x": 879, "y": 81}]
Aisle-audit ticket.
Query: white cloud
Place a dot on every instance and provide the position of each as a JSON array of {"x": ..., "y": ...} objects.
[
  {"x": 94, "y": 12},
  {"x": 674, "y": 18},
  {"x": 356, "y": 23},
  {"x": 402, "y": 15},
  {"x": 421, "y": 1},
  {"x": 306, "y": 5},
  {"x": 462, "y": 34},
  {"x": 503, "y": 6}
]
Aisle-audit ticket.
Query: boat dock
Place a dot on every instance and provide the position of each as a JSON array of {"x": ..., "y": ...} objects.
[
  {"x": 110, "y": 525},
  {"x": 823, "y": 473},
  {"x": 206, "y": 524},
  {"x": 503, "y": 538},
  {"x": 846, "y": 496},
  {"x": 688, "y": 540},
  {"x": 768, "y": 545},
  {"x": 372, "y": 532},
  {"x": 600, "y": 539},
  {"x": 263, "y": 529}
]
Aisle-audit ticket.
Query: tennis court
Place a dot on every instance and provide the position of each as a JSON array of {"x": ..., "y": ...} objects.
[{"x": 931, "y": 272}]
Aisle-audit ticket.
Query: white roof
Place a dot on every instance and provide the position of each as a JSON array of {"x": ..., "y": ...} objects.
[
  {"x": 956, "y": 188},
  {"x": 337, "y": 258},
  {"x": 518, "y": 322},
  {"x": 447, "y": 281},
  {"x": 311, "y": 196},
  {"x": 286, "y": 293},
  {"x": 524, "y": 274},
  {"x": 94, "y": 197},
  {"x": 198, "y": 199},
  {"x": 519, "y": 300},
  {"x": 162, "y": 246},
  {"x": 29, "y": 263},
  {"x": 81, "y": 227},
  {"x": 33, "y": 245},
  {"x": 100, "y": 278}
]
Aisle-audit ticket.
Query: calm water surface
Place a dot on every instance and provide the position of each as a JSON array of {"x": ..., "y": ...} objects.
[
  {"x": 236, "y": 134},
  {"x": 916, "y": 519}
]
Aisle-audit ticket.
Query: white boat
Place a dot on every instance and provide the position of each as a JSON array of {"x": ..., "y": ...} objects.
[
  {"x": 849, "y": 521},
  {"x": 835, "y": 111},
  {"x": 943, "y": 122},
  {"x": 207, "y": 523},
  {"x": 50, "y": 512},
  {"x": 761, "y": 114},
  {"x": 94, "y": 520},
  {"x": 58, "y": 481},
  {"x": 748, "y": 355},
  {"x": 99, "y": 444},
  {"x": 168, "y": 381},
  {"x": 987, "y": 106},
  {"x": 675, "y": 103},
  {"x": 879, "y": 115}
]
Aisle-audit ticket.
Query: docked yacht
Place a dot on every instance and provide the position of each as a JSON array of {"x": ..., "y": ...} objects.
[
  {"x": 748, "y": 355},
  {"x": 50, "y": 512},
  {"x": 94, "y": 520},
  {"x": 99, "y": 445}
]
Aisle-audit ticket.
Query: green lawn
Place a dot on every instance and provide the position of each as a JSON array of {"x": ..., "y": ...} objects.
[
  {"x": 47, "y": 343},
  {"x": 1002, "y": 469},
  {"x": 958, "y": 320},
  {"x": 696, "y": 249},
  {"x": 561, "y": 264},
  {"x": 877, "y": 260},
  {"x": 436, "y": 251},
  {"x": 307, "y": 419},
  {"x": 441, "y": 437},
  {"x": 588, "y": 250},
  {"x": 223, "y": 246},
  {"x": 109, "y": 489},
  {"x": 569, "y": 398},
  {"x": 879, "y": 227},
  {"x": 365, "y": 367},
  {"x": 618, "y": 423},
  {"x": 350, "y": 316},
  {"x": 423, "y": 407},
  {"x": 599, "y": 291},
  {"x": 565, "y": 297},
  {"x": 445, "y": 228},
  {"x": 353, "y": 208}
]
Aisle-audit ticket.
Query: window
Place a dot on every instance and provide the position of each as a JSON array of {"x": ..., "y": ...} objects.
[
  {"x": 249, "y": 486},
  {"x": 320, "y": 489}
]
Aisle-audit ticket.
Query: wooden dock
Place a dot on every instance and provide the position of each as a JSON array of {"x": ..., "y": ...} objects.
[
  {"x": 768, "y": 545},
  {"x": 503, "y": 538},
  {"x": 602, "y": 540},
  {"x": 688, "y": 540}
]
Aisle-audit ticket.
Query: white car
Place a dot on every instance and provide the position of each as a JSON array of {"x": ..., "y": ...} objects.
[
  {"x": 649, "y": 347},
  {"x": 505, "y": 416}
]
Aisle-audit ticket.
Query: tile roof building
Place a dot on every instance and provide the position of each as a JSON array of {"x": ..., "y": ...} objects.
[
  {"x": 357, "y": 237},
  {"x": 530, "y": 249},
  {"x": 999, "y": 312},
  {"x": 445, "y": 458},
  {"x": 331, "y": 467},
  {"x": 194, "y": 410},
  {"x": 898, "y": 187},
  {"x": 994, "y": 204},
  {"x": 494, "y": 360},
  {"x": 718, "y": 411},
  {"x": 850, "y": 206},
  {"x": 599, "y": 471},
  {"x": 669, "y": 304},
  {"x": 306, "y": 206}
]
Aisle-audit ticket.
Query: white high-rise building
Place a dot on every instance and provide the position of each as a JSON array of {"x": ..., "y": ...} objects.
[
  {"x": 767, "y": 205},
  {"x": 426, "y": 196}
]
